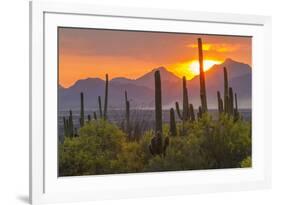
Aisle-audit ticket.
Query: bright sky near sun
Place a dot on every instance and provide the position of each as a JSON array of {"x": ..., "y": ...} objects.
[{"x": 85, "y": 53}]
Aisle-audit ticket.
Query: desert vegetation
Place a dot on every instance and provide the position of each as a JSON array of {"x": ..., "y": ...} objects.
[{"x": 196, "y": 141}]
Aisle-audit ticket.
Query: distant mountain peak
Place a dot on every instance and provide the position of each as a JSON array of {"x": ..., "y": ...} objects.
[{"x": 161, "y": 68}]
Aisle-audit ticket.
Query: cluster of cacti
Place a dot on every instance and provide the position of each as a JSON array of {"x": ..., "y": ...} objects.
[
  {"x": 229, "y": 106},
  {"x": 187, "y": 109},
  {"x": 158, "y": 146},
  {"x": 127, "y": 103},
  {"x": 103, "y": 113},
  {"x": 185, "y": 105}
]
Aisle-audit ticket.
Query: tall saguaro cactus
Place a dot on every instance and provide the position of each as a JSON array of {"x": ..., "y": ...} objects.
[
  {"x": 203, "y": 94},
  {"x": 226, "y": 90},
  {"x": 173, "y": 126},
  {"x": 158, "y": 146},
  {"x": 105, "y": 97},
  {"x": 158, "y": 102},
  {"x": 127, "y": 102},
  {"x": 81, "y": 109}
]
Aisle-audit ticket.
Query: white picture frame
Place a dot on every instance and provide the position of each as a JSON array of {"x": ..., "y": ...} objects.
[{"x": 46, "y": 186}]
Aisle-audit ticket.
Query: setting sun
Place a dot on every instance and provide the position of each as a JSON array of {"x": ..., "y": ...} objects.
[
  {"x": 191, "y": 68},
  {"x": 194, "y": 65}
]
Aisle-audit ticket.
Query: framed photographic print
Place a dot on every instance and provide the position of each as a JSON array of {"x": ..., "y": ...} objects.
[{"x": 129, "y": 102}]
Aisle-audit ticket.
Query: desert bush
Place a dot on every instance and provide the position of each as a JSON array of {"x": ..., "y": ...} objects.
[{"x": 99, "y": 143}]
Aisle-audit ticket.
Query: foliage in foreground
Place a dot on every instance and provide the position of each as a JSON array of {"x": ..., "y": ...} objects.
[{"x": 102, "y": 148}]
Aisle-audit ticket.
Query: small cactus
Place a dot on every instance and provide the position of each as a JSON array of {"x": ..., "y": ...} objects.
[
  {"x": 191, "y": 112},
  {"x": 89, "y": 118},
  {"x": 95, "y": 116},
  {"x": 185, "y": 107},
  {"x": 220, "y": 102},
  {"x": 199, "y": 114},
  {"x": 81, "y": 109},
  {"x": 173, "y": 126},
  {"x": 230, "y": 102}
]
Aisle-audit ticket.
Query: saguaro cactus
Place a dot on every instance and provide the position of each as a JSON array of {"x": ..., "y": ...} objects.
[
  {"x": 173, "y": 126},
  {"x": 95, "y": 116},
  {"x": 191, "y": 113},
  {"x": 127, "y": 113},
  {"x": 71, "y": 125},
  {"x": 81, "y": 109},
  {"x": 236, "y": 112},
  {"x": 220, "y": 102},
  {"x": 230, "y": 102},
  {"x": 226, "y": 90},
  {"x": 185, "y": 107},
  {"x": 203, "y": 94},
  {"x": 89, "y": 118},
  {"x": 100, "y": 108},
  {"x": 105, "y": 97},
  {"x": 158, "y": 102},
  {"x": 157, "y": 146},
  {"x": 199, "y": 114}
]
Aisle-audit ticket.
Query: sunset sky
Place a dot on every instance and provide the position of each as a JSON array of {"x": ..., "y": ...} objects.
[{"x": 85, "y": 53}]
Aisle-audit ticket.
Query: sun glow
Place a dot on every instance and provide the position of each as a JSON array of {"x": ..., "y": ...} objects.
[
  {"x": 191, "y": 68},
  {"x": 194, "y": 65}
]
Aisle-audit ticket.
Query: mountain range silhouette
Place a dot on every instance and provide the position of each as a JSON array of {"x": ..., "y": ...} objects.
[{"x": 141, "y": 90}]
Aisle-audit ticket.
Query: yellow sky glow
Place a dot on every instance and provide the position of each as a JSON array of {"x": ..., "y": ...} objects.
[{"x": 191, "y": 68}]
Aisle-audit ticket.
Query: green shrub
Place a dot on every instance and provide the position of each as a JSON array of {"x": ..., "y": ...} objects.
[{"x": 99, "y": 143}]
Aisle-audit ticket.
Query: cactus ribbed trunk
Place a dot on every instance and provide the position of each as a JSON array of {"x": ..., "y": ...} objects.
[
  {"x": 220, "y": 102},
  {"x": 158, "y": 103},
  {"x": 202, "y": 78},
  {"x": 81, "y": 109},
  {"x": 89, "y": 118},
  {"x": 226, "y": 107},
  {"x": 199, "y": 114},
  {"x": 95, "y": 116},
  {"x": 236, "y": 113},
  {"x": 178, "y": 111},
  {"x": 191, "y": 113},
  {"x": 100, "y": 108},
  {"x": 105, "y": 98},
  {"x": 71, "y": 125},
  {"x": 185, "y": 114},
  {"x": 127, "y": 113},
  {"x": 173, "y": 127},
  {"x": 230, "y": 102}
]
